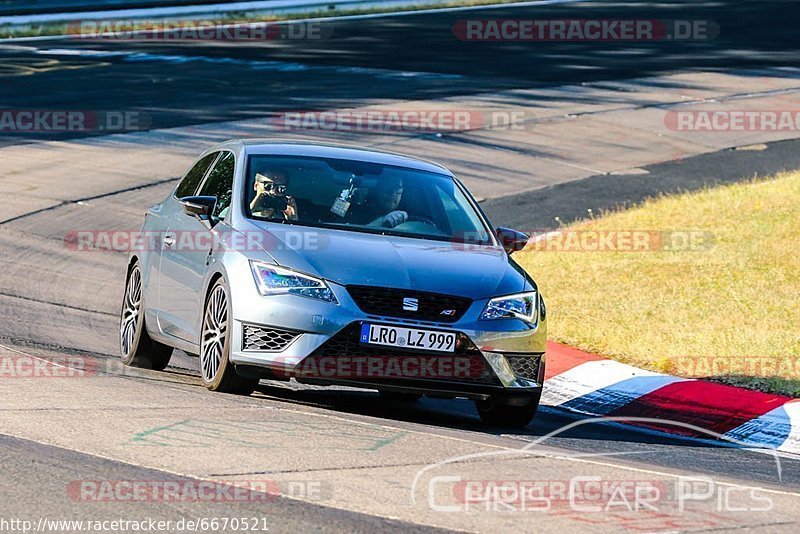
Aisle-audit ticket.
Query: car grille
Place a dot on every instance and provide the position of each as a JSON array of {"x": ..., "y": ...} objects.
[
  {"x": 264, "y": 338},
  {"x": 525, "y": 366},
  {"x": 388, "y": 302},
  {"x": 466, "y": 364}
]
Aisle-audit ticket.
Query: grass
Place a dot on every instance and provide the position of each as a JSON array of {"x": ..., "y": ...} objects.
[
  {"x": 727, "y": 308},
  {"x": 62, "y": 28}
]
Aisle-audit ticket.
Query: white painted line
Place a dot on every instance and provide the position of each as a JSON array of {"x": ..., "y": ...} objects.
[
  {"x": 33, "y": 357},
  {"x": 589, "y": 377}
]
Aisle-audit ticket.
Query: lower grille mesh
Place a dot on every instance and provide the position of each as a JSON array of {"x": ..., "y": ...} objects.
[
  {"x": 266, "y": 339},
  {"x": 525, "y": 366}
]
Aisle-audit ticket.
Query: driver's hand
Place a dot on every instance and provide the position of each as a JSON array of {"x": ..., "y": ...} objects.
[
  {"x": 394, "y": 218},
  {"x": 260, "y": 189},
  {"x": 261, "y": 194}
]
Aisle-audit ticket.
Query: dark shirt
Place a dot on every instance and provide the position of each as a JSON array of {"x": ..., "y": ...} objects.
[{"x": 363, "y": 214}]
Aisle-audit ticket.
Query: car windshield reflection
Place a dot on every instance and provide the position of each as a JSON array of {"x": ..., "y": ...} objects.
[{"x": 361, "y": 197}]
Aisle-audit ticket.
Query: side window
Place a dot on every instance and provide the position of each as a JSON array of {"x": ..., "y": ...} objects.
[
  {"x": 220, "y": 184},
  {"x": 189, "y": 184}
]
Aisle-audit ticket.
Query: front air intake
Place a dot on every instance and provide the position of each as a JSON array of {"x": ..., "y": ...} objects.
[{"x": 266, "y": 338}]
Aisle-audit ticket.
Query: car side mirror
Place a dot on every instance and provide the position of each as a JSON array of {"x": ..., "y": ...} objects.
[
  {"x": 200, "y": 207},
  {"x": 512, "y": 240}
]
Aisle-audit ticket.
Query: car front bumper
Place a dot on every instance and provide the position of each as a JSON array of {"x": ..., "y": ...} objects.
[{"x": 497, "y": 358}]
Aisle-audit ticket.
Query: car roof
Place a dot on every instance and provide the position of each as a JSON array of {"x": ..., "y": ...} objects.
[{"x": 329, "y": 150}]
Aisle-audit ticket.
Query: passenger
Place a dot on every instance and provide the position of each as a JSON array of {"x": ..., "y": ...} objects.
[{"x": 271, "y": 200}]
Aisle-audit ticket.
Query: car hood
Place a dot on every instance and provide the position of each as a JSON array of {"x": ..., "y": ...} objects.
[{"x": 347, "y": 257}]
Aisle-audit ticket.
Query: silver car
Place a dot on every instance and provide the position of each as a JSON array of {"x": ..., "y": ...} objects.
[{"x": 334, "y": 265}]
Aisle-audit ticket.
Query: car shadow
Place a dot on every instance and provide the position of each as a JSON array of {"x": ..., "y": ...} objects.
[
  {"x": 556, "y": 432},
  {"x": 460, "y": 414}
]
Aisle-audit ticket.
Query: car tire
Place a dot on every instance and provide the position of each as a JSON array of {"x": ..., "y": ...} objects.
[
  {"x": 137, "y": 348},
  {"x": 495, "y": 413},
  {"x": 400, "y": 397},
  {"x": 216, "y": 370}
]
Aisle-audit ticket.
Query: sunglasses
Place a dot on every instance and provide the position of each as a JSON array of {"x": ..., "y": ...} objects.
[{"x": 279, "y": 188}]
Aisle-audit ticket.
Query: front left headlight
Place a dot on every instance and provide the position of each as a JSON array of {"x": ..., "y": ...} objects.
[
  {"x": 273, "y": 280},
  {"x": 519, "y": 306}
]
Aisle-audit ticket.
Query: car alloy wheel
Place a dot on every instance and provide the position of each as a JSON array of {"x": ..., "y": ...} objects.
[
  {"x": 215, "y": 330},
  {"x": 137, "y": 348},
  {"x": 215, "y": 368},
  {"x": 131, "y": 307}
]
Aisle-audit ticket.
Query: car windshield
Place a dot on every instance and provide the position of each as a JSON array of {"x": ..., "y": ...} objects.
[{"x": 361, "y": 197}]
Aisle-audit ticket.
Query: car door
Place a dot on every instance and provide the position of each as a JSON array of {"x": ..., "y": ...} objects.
[
  {"x": 185, "y": 255},
  {"x": 158, "y": 220}
]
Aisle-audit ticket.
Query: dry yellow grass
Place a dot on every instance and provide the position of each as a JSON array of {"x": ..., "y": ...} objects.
[{"x": 727, "y": 307}]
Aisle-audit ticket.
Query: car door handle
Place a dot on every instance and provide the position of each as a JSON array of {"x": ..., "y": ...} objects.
[{"x": 168, "y": 241}]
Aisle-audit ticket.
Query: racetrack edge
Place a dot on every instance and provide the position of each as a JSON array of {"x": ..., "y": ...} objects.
[{"x": 591, "y": 385}]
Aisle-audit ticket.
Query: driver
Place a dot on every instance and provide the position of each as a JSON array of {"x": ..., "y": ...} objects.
[
  {"x": 380, "y": 209},
  {"x": 271, "y": 200}
]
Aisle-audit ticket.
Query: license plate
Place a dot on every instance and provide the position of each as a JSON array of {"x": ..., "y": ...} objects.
[{"x": 407, "y": 338}]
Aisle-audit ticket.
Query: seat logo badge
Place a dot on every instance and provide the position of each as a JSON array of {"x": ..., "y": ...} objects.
[
  {"x": 448, "y": 313},
  {"x": 410, "y": 304}
]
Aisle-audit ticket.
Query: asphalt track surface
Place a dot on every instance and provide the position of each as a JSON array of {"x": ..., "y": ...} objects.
[
  {"x": 46, "y": 470},
  {"x": 365, "y": 61},
  {"x": 361, "y": 64}
]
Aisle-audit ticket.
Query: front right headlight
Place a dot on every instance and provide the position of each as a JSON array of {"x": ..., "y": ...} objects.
[
  {"x": 519, "y": 306},
  {"x": 274, "y": 280}
]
